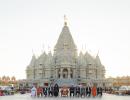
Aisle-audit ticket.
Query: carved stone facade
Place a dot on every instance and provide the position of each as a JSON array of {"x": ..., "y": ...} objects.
[{"x": 65, "y": 66}]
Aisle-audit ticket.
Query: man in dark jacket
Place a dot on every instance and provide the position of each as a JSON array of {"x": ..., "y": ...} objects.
[
  {"x": 72, "y": 90},
  {"x": 77, "y": 91},
  {"x": 45, "y": 90},
  {"x": 99, "y": 91},
  {"x": 88, "y": 91},
  {"x": 50, "y": 90}
]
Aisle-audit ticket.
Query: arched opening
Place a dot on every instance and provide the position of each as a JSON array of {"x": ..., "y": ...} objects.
[
  {"x": 71, "y": 73},
  {"x": 65, "y": 73},
  {"x": 58, "y": 73}
]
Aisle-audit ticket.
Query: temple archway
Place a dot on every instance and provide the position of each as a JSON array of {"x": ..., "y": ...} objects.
[
  {"x": 65, "y": 73},
  {"x": 71, "y": 73},
  {"x": 59, "y": 73}
]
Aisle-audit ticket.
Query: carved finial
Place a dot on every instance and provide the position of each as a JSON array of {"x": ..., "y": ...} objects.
[{"x": 65, "y": 20}]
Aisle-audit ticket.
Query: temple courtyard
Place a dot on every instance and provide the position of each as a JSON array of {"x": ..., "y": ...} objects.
[{"x": 28, "y": 97}]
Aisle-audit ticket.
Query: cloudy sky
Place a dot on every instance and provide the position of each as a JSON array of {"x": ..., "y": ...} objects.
[{"x": 33, "y": 26}]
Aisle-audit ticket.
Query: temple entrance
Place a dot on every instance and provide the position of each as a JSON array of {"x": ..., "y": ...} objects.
[
  {"x": 65, "y": 73},
  {"x": 59, "y": 73},
  {"x": 71, "y": 73}
]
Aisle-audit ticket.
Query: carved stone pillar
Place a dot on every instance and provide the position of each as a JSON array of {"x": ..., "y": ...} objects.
[
  {"x": 56, "y": 73},
  {"x": 74, "y": 73},
  {"x": 61, "y": 73},
  {"x": 68, "y": 72}
]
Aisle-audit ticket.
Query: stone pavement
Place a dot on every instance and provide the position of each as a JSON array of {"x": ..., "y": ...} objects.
[{"x": 28, "y": 97}]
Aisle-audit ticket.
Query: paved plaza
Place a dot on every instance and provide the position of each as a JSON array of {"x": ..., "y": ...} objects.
[{"x": 27, "y": 97}]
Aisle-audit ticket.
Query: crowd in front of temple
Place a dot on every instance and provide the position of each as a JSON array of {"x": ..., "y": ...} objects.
[{"x": 72, "y": 91}]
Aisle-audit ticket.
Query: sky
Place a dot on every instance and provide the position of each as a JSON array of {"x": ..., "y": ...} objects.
[{"x": 30, "y": 27}]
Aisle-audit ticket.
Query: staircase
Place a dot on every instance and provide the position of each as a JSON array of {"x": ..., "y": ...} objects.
[{"x": 65, "y": 82}]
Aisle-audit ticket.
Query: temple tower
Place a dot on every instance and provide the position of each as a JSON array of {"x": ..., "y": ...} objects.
[{"x": 65, "y": 54}]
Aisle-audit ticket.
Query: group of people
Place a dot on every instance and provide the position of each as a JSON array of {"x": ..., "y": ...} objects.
[
  {"x": 55, "y": 91},
  {"x": 45, "y": 91},
  {"x": 85, "y": 91},
  {"x": 6, "y": 90}
]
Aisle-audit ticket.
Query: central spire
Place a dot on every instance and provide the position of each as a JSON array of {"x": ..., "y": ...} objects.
[
  {"x": 65, "y": 40},
  {"x": 65, "y": 49},
  {"x": 65, "y": 20}
]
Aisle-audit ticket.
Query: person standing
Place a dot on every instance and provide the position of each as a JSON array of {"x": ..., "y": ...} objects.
[
  {"x": 38, "y": 91},
  {"x": 88, "y": 91},
  {"x": 56, "y": 90},
  {"x": 45, "y": 90},
  {"x": 71, "y": 90},
  {"x": 82, "y": 91},
  {"x": 50, "y": 90},
  {"x": 99, "y": 91},
  {"x": 1, "y": 93},
  {"x": 33, "y": 92},
  {"x": 77, "y": 91},
  {"x": 94, "y": 91}
]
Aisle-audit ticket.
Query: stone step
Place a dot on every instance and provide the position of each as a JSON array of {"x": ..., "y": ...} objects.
[{"x": 65, "y": 82}]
